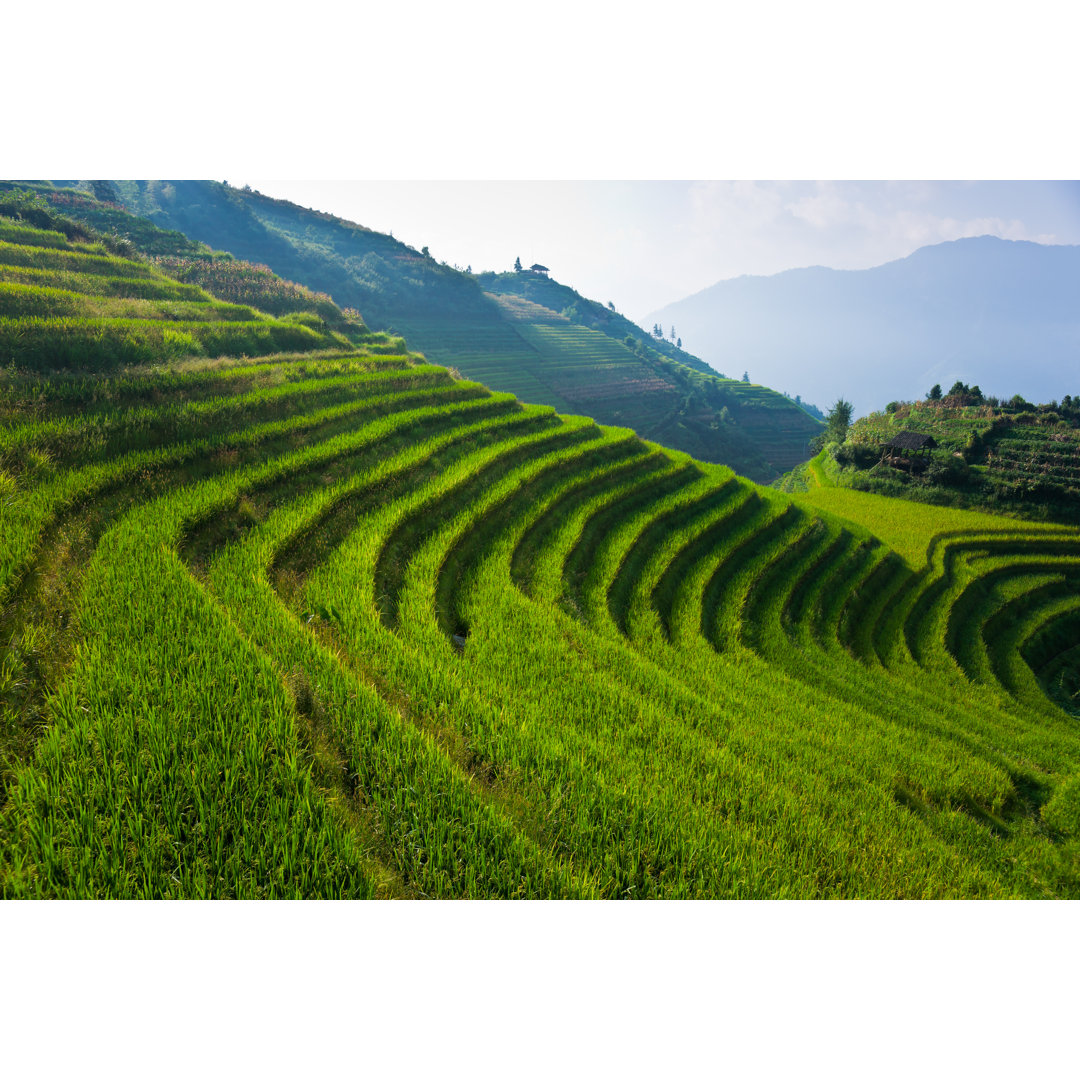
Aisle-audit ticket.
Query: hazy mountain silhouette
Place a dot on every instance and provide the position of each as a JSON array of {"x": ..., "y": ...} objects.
[{"x": 1003, "y": 314}]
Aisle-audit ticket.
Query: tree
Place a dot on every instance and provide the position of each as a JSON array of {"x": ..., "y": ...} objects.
[
  {"x": 104, "y": 190},
  {"x": 424, "y": 251},
  {"x": 957, "y": 388},
  {"x": 672, "y": 334},
  {"x": 935, "y": 392},
  {"x": 611, "y": 305},
  {"x": 838, "y": 421},
  {"x": 517, "y": 264},
  {"x": 678, "y": 344},
  {"x": 746, "y": 376}
]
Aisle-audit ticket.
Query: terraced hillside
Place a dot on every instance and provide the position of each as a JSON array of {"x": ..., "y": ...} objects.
[
  {"x": 345, "y": 625},
  {"x": 544, "y": 290},
  {"x": 1029, "y": 461},
  {"x": 571, "y": 367},
  {"x": 1011, "y": 457},
  {"x": 661, "y": 391},
  {"x": 545, "y": 357},
  {"x": 74, "y": 304}
]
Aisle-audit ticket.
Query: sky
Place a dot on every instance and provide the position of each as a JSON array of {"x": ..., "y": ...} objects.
[
  {"x": 642, "y": 244},
  {"x": 585, "y": 125}
]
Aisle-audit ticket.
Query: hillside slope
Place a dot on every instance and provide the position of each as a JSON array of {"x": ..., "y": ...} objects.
[
  {"x": 542, "y": 289},
  {"x": 1000, "y": 313},
  {"x": 342, "y": 625},
  {"x": 449, "y": 316},
  {"x": 550, "y": 359},
  {"x": 73, "y": 300}
]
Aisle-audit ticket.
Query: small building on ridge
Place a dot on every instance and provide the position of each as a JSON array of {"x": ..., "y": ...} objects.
[{"x": 908, "y": 448}]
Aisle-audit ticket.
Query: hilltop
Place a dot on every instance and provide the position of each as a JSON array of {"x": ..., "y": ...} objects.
[
  {"x": 543, "y": 289},
  {"x": 1000, "y": 313},
  {"x": 565, "y": 351}
]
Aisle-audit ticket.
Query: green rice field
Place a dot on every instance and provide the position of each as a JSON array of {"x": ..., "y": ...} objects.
[{"x": 336, "y": 622}]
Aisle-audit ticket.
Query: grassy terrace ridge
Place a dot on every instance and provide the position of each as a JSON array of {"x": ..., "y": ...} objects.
[
  {"x": 343, "y": 624},
  {"x": 458, "y": 319}
]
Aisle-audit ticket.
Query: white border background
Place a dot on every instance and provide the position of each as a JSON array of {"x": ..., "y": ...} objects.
[{"x": 564, "y": 90}]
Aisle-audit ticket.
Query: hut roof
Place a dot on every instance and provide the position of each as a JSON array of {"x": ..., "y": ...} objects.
[{"x": 911, "y": 440}]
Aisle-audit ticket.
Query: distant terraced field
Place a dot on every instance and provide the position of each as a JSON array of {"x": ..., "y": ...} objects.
[
  {"x": 344, "y": 625},
  {"x": 543, "y": 357}
]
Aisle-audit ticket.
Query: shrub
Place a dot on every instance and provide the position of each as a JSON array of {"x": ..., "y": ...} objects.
[
  {"x": 950, "y": 471},
  {"x": 859, "y": 455}
]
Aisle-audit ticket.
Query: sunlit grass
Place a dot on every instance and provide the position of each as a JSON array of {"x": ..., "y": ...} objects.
[{"x": 341, "y": 625}]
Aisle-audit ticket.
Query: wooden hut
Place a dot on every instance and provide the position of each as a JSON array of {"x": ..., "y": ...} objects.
[{"x": 908, "y": 448}]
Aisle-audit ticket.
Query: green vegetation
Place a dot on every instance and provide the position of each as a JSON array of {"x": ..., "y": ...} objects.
[
  {"x": 546, "y": 357},
  {"x": 548, "y": 293},
  {"x": 523, "y": 333},
  {"x": 72, "y": 304},
  {"x": 339, "y": 623},
  {"x": 1010, "y": 457},
  {"x": 245, "y": 283}
]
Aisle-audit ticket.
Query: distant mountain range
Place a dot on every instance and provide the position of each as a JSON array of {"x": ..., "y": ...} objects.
[{"x": 1003, "y": 314}]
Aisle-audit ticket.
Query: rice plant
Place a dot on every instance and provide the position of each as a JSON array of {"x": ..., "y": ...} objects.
[{"x": 339, "y": 624}]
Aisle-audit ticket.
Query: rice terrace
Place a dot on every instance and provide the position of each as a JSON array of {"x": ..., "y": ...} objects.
[{"x": 290, "y": 611}]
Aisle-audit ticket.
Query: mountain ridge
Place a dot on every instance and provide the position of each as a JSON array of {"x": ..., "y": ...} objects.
[{"x": 970, "y": 309}]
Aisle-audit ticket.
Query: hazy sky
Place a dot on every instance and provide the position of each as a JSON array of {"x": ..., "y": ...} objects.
[{"x": 643, "y": 244}]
